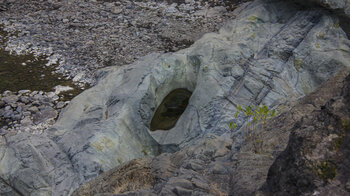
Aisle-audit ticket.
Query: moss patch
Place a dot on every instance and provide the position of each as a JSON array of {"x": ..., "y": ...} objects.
[
  {"x": 253, "y": 19},
  {"x": 320, "y": 35},
  {"x": 326, "y": 170},
  {"x": 103, "y": 143},
  {"x": 317, "y": 45},
  {"x": 297, "y": 64},
  {"x": 338, "y": 142},
  {"x": 346, "y": 124}
]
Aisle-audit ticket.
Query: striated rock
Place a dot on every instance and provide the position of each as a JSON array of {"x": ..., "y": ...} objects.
[
  {"x": 169, "y": 173},
  {"x": 316, "y": 159},
  {"x": 271, "y": 53},
  {"x": 305, "y": 152},
  {"x": 280, "y": 56}
]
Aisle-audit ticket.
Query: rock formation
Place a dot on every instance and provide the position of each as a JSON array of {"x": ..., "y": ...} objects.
[
  {"x": 305, "y": 152},
  {"x": 273, "y": 52}
]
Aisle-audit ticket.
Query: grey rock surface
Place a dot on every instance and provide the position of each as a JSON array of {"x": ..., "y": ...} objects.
[
  {"x": 272, "y": 52},
  {"x": 340, "y": 6},
  {"x": 305, "y": 151}
]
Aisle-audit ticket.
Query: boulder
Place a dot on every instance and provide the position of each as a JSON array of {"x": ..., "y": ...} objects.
[
  {"x": 305, "y": 151},
  {"x": 272, "y": 52}
]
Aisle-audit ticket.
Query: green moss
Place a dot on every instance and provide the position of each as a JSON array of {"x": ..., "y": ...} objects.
[
  {"x": 298, "y": 64},
  {"x": 253, "y": 18},
  {"x": 145, "y": 152},
  {"x": 320, "y": 35},
  {"x": 317, "y": 45},
  {"x": 205, "y": 67},
  {"x": 338, "y": 141},
  {"x": 326, "y": 170},
  {"x": 103, "y": 143},
  {"x": 120, "y": 160},
  {"x": 253, "y": 36},
  {"x": 346, "y": 124},
  {"x": 165, "y": 65},
  {"x": 336, "y": 25}
]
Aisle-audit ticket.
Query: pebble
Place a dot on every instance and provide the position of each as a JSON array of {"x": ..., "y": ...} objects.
[
  {"x": 33, "y": 109},
  {"x": 107, "y": 33},
  {"x": 32, "y": 112},
  {"x": 60, "y": 105},
  {"x": 10, "y": 99},
  {"x": 23, "y": 91},
  {"x": 24, "y": 99},
  {"x": 83, "y": 36}
]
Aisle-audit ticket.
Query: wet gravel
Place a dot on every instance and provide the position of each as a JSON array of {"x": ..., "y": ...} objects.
[
  {"x": 30, "y": 111},
  {"x": 82, "y": 36},
  {"x": 77, "y": 37}
]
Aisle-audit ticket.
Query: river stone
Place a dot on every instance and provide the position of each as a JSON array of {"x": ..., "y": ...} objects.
[
  {"x": 281, "y": 52},
  {"x": 2, "y": 104},
  {"x": 10, "y": 99}
]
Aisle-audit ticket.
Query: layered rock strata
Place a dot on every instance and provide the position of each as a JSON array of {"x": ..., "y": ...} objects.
[
  {"x": 272, "y": 52},
  {"x": 305, "y": 151}
]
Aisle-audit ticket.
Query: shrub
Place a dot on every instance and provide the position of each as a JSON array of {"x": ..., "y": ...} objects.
[{"x": 256, "y": 115}]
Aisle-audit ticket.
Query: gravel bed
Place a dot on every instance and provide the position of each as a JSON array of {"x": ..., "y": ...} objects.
[{"x": 80, "y": 36}]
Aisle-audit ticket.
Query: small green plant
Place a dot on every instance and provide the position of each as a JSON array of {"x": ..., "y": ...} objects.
[
  {"x": 326, "y": 170},
  {"x": 256, "y": 115},
  {"x": 231, "y": 125}
]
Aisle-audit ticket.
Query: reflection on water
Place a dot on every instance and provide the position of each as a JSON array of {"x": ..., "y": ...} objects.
[
  {"x": 22, "y": 72},
  {"x": 170, "y": 110}
]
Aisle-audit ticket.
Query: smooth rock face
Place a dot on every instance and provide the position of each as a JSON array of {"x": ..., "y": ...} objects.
[
  {"x": 272, "y": 52},
  {"x": 305, "y": 151}
]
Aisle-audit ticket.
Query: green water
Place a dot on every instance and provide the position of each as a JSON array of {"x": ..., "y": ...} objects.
[
  {"x": 170, "y": 110},
  {"x": 20, "y": 72}
]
